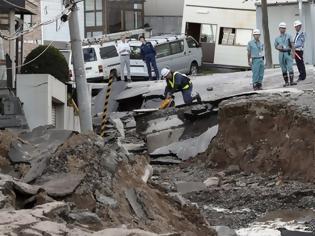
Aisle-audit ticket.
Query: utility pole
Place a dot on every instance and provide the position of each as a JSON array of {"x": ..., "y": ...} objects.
[
  {"x": 265, "y": 25},
  {"x": 301, "y": 10},
  {"x": 84, "y": 100},
  {"x": 12, "y": 45}
]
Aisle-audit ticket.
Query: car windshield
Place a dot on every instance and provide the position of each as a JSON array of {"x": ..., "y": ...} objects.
[
  {"x": 135, "y": 52},
  {"x": 89, "y": 54}
]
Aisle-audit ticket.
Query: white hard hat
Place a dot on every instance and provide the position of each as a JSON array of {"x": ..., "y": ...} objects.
[
  {"x": 297, "y": 23},
  {"x": 283, "y": 25},
  {"x": 165, "y": 71},
  {"x": 256, "y": 32}
]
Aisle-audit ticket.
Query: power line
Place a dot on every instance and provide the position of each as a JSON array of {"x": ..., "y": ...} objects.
[
  {"x": 34, "y": 59},
  {"x": 66, "y": 11}
]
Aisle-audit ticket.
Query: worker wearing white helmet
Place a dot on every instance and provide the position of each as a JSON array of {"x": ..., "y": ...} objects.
[
  {"x": 255, "y": 54},
  {"x": 177, "y": 82},
  {"x": 285, "y": 46},
  {"x": 299, "y": 41}
]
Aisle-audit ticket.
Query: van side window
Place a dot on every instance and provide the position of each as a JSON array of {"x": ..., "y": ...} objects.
[
  {"x": 177, "y": 47},
  {"x": 108, "y": 52},
  {"x": 89, "y": 54},
  {"x": 163, "y": 50},
  {"x": 191, "y": 43}
]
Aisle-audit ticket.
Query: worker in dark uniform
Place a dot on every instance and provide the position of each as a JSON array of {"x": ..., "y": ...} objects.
[
  {"x": 299, "y": 42},
  {"x": 148, "y": 54},
  {"x": 177, "y": 82}
]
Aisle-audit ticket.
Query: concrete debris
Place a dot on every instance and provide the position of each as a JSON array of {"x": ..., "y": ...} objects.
[
  {"x": 99, "y": 100},
  {"x": 189, "y": 187},
  {"x": 163, "y": 124},
  {"x": 11, "y": 112},
  {"x": 124, "y": 232},
  {"x": 62, "y": 185},
  {"x": 133, "y": 200},
  {"x": 148, "y": 172},
  {"x": 106, "y": 201},
  {"x": 85, "y": 218},
  {"x": 212, "y": 181},
  {"x": 224, "y": 231},
  {"x": 165, "y": 160},
  {"x": 132, "y": 92},
  {"x": 163, "y": 138},
  {"x": 36, "y": 147},
  {"x": 285, "y": 232},
  {"x": 188, "y": 148}
]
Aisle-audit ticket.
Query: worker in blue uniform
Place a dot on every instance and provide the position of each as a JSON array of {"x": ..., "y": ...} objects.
[
  {"x": 299, "y": 42},
  {"x": 177, "y": 82},
  {"x": 285, "y": 46},
  {"x": 148, "y": 54},
  {"x": 255, "y": 50}
]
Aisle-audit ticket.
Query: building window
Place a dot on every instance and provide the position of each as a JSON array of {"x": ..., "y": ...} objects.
[
  {"x": 124, "y": 16},
  {"x": 208, "y": 33},
  {"x": 234, "y": 37},
  {"x": 93, "y": 14}
]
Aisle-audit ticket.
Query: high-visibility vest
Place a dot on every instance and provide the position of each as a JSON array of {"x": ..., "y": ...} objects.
[{"x": 172, "y": 82}]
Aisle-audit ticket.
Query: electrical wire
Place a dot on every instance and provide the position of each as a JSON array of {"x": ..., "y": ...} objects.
[
  {"x": 34, "y": 59},
  {"x": 66, "y": 11}
]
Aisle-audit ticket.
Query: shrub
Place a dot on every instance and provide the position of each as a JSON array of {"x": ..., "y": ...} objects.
[{"x": 50, "y": 62}]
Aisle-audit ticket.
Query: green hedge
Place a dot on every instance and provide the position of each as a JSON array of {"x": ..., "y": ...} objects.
[{"x": 50, "y": 62}]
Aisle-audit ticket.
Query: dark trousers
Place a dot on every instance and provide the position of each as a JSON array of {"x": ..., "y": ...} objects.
[
  {"x": 188, "y": 99},
  {"x": 300, "y": 64},
  {"x": 150, "y": 60}
]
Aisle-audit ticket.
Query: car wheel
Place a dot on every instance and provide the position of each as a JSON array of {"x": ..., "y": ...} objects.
[{"x": 193, "y": 69}]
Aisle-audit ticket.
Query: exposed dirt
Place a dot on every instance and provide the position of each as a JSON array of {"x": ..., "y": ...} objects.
[
  {"x": 6, "y": 139},
  {"x": 263, "y": 157},
  {"x": 267, "y": 134}
]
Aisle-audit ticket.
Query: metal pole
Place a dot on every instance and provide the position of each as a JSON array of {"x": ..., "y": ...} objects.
[
  {"x": 12, "y": 46},
  {"x": 301, "y": 10},
  {"x": 84, "y": 99},
  {"x": 106, "y": 106}
]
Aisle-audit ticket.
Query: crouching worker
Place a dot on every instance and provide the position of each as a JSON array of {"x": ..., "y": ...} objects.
[{"x": 177, "y": 82}]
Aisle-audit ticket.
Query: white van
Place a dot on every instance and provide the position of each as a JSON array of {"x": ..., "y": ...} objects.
[
  {"x": 99, "y": 61},
  {"x": 179, "y": 53}
]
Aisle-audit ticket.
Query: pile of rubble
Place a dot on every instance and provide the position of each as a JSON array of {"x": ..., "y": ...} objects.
[{"x": 59, "y": 182}]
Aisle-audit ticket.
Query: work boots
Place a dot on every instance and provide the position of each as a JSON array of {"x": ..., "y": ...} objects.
[
  {"x": 292, "y": 80},
  {"x": 197, "y": 97},
  {"x": 286, "y": 80}
]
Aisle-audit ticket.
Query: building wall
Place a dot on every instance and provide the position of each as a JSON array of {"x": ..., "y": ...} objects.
[
  {"x": 227, "y": 14},
  {"x": 38, "y": 93},
  {"x": 52, "y": 32},
  {"x": 33, "y": 39},
  {"x": 165, "y": 17},
  {"x": 290, "y": 14}
]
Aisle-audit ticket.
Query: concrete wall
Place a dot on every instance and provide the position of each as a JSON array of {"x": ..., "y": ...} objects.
[
  {"x": 50, "y": 9},
  {"x": 38, "y": 93},
  {"x": 290, "y": 13},
  {"x": 164, "y": 16}
]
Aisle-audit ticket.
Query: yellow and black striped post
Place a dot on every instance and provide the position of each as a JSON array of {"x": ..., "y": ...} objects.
[{"x": 106, "y": 104}]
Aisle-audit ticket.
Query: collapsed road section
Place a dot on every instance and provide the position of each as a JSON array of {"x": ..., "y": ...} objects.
[{"x": 256, "y": 177}]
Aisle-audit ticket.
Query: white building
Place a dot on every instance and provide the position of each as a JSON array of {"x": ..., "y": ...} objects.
[
  {"x": 44, "y": 101},
  {"x": 288, "y": 11},
  {"x": 58, "y": 32},
  {"x": 164, "y": 16},
  {"x": 223, "y": 28}
]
